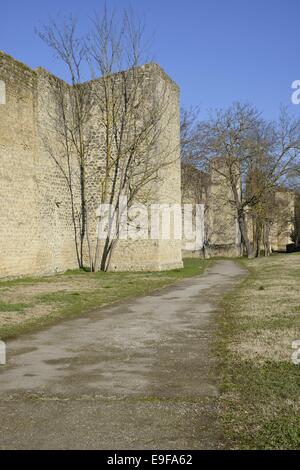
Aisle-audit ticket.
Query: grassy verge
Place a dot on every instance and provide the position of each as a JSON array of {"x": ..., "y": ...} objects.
[
  {"x": 260, "y": 385},
  {"x": 30, "y": 303}
]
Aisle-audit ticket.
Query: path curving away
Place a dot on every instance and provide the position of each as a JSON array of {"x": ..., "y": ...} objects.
[{"x": 136, "y": 375}]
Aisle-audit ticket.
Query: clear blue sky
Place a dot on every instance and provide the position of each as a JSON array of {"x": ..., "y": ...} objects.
[{"x": 218, "y": 51}]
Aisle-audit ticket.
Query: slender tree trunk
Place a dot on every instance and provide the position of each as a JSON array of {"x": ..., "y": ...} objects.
[
  {"x": 258, "y": 230},
  {"x": 74, "y": 225},
  {"x": 244, "y": 233},
  {"x": 267, "y": 247},
  {"x": 83, "y": 213},
  {"x": 91, "y": 261},
  {"x": 97, "y": 252},
  {"x": 103, "y": 264}
]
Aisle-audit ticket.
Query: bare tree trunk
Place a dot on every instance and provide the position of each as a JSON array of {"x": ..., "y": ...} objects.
[
  {"x": 267, "y": 246},
  {"x": 244, "y": 234},
  {"x": 83, "y": 213},
  {"x": 258, "y": 233},
  {"x": 74, "y": 225}
]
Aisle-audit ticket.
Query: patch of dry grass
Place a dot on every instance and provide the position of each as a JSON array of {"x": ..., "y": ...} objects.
[
  {"x": 260, "y": 384},
  {"x": 269, "y": 316}
]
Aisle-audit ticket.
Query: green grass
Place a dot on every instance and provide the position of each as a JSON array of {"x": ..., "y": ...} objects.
[
  {"x": 8, "y": 307},
  {"x": 93, "y": 291},
  {"x": 260, "y": 386}
]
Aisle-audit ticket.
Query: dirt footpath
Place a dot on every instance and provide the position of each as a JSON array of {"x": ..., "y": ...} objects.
[{"x": 136, "y": 375}]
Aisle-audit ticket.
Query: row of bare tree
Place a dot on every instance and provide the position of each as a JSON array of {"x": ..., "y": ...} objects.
[{"x": 257, "y": 156}]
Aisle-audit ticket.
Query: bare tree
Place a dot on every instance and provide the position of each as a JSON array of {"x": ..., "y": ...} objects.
[
  {"x": 293, "y": 182},
  {"x": 250, "y": 154},
  {"x": 276, "y": 153},
  {"x": 189, "y": 120},
  {"x": 112, "y": 127},
  {"x": 132, "y": 114},
  {"x": 68, "y": 144}
]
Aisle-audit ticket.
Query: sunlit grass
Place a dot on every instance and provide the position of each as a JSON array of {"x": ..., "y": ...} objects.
[
  {"x": 260, "y": 401},
  {"x": 45, "y": 300}
]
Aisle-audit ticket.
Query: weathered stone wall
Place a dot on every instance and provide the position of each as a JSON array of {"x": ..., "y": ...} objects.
[
  {"x": 145, "y": 254},
  {"x": 221, "y": 232},
  {"x": 284, "y": 217},
  {"x": 18, "y": 188},
  {"x": 36, "y": 232},
  {"x": 194, "y": 190},
  {"x": 222, "y": 235}
]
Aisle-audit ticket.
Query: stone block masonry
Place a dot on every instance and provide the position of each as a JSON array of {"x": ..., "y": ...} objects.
[{"x": 36, "y": 233}]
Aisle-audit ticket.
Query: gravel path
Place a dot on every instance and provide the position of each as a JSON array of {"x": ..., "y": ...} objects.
[{"x": 136, "y": 375}]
